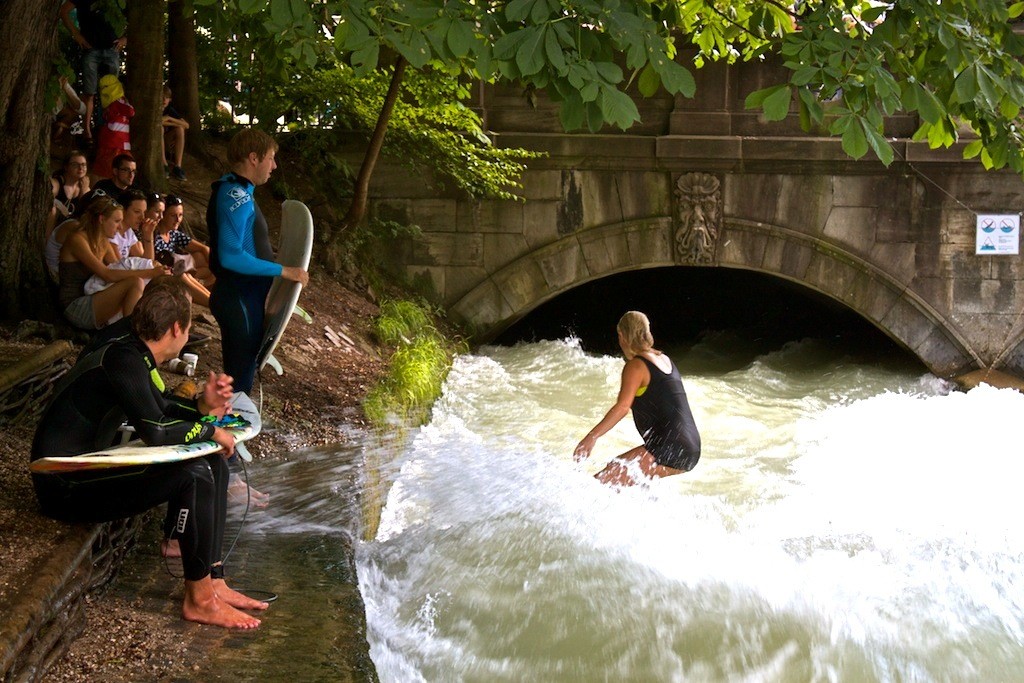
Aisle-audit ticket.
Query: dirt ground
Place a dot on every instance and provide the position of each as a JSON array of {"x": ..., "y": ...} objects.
[{"x": 329, "y": 366}]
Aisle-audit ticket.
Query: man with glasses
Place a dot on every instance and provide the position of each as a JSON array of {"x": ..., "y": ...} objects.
[{"x": 123, "y": 179}]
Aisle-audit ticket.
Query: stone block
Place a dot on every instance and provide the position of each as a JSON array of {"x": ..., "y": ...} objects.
[
  {"x": 522, "y": 285},
  {"x": 460, "y": 280},
  {"x": 650, "y": 244},
  {"x": 605, "y": 250},
  {"x": 434, "y": 214},
  {"x": 896, "y": 260},
  {"x": 958, "y": 227},
  {"x": 853, "y": 228},
  {"x": 804, "y": 203},
  {"x": 751, "y": 197},
  {"x": 943, "y": 354},
  {"x": 501, "y": 249},
  {"x": 448, "y": 249},
  {"x": 743, "y": 248},
  {"x": 491, "y": 215},
  {"x": 482, "y": 308},
  {"x": 540, "y": 223},
  {"x": 786, "y": 257},
  {"x": 907, "y": 323},
  {"x": 563, "y": 264},
  {"x": 693, "y": 148},
  {"x": 542, "y": 184},
  {"x": 862, "y": 191}
]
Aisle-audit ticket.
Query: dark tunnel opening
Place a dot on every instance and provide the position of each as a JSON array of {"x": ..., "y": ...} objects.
[{"x": 685, "y": 304}]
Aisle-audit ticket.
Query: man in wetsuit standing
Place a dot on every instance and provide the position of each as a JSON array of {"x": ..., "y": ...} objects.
[
  {"x": 119, "y": 381},
  {"x": 240, "y": 254}
]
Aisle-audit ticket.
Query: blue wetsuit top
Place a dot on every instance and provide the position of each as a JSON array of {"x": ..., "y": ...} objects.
[{"x": 232, "y": 230}]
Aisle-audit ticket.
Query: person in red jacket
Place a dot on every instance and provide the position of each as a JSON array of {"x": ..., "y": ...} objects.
[{"x": 114, "y": 138}]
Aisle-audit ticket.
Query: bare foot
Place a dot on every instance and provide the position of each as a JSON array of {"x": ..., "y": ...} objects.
[
  {"x": 203, "y": 606},
  {"x": 169, "y": 547},
  {"x": 237, "y": 494},
  {"x": 234, "y": 598}
]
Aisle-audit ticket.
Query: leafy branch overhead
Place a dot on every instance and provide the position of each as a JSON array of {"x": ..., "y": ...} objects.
[{"x": 850, "y": 63}]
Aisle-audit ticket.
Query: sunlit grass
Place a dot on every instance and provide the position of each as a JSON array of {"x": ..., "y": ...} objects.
[{"x": 417, "y": 370}]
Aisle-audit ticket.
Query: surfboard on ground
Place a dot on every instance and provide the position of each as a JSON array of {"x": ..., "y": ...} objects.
[
  {"x": 244, "y": 425},
  {"x": 295, "y": 250}
]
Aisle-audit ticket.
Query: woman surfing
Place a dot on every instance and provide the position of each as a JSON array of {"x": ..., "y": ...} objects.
[{"x": 652, "y": 388}]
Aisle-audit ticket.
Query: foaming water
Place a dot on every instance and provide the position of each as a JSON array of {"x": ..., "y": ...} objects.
[{"x": 848, "y": 520}]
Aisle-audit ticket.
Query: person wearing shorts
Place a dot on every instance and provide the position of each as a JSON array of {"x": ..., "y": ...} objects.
[{"x": 101, "y": 49}]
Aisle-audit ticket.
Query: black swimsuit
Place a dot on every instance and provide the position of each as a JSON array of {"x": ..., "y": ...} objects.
[{"x": 663, "y": 418}]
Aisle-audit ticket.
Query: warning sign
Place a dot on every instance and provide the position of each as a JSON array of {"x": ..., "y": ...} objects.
[{"x": 998, "y": 234}]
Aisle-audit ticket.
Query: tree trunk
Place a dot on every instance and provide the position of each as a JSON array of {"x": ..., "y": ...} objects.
[
  {"x": 361, "y": 191},
  {"x": 184, "y": 67},
  {"x": 144, "y": 87},
  {"x": 28, "y": 34}
]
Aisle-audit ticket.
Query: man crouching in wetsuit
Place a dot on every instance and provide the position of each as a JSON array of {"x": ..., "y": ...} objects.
[{"x": 119, "y": 381}]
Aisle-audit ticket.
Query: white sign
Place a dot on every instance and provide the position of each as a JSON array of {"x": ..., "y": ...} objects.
[{"x": 998, "y": 234}]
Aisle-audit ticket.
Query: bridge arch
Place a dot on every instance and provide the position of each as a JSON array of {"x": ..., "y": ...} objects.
[{"x": 882, "y": 298}]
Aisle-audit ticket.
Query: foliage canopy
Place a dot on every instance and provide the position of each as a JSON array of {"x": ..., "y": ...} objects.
[{"x": 849, "y": 62}]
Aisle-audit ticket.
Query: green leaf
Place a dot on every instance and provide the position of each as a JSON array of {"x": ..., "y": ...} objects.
[
  {"x": 251, "y": 6},
  {"x": 804, "y": 75},
  {"x": 609, "y": 72},
  {"x": 928, "y": 106},
  {"x": 506, "y": 46},
  {"x": 518, "y": 10},
  {"x": 618, "y": 108},
  {"x": 676, "y": 78},
  {"x": 530, "y": 55},
  {"x": 593, "y": 115},
  {"x": 648, "y": 82},
  {"x": 855, "y": 144},
  {"x": 966, "y": 85},
  {"x": 460, "y": 38},
  {"x": 973, "y": 149},
  {"x": 1016, "y": 9},
  {"x": 554, "y": 52},
  {"x": 776, "y": 105},
  {"x": 571, "y": 114},
  {"x": 281, "y": 12},
  {"x": 757, "y": 98},
  {"x": 881, "y": 147}
]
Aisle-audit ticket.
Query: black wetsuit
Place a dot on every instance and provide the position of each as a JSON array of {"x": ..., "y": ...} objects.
[
  {"x": 663, "y": 418},
  {"x": 118, "y": 381}
]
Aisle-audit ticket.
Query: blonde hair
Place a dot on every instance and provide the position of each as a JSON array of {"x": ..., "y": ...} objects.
[
  {"x": 635, "y": 329},
  {"x": 90, "y": 223}
]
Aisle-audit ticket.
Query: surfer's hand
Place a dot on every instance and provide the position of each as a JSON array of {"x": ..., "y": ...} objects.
[
  {"x": 226, "y": 441},
  {"x": 584, "y": 447},
  {"x": 295, "y": 274},
  {"x": 217, "y": 393}
]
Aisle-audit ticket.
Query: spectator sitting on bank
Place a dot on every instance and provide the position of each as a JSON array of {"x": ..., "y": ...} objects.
[
  {"x": 69, "y": 185},
  {"x": 123, "y": 178},
  {"x": 101, "y": 45},
  {"x": 171, "y": 238},
  {"x": 114, "y": 136},
  {"x": 68, "y": 114},
  {"x": 173, "y": 139},
  {"x": 87, "y": 251},
  {"x": 166, "y": 256},
  {"x": 56, "y": 238},
  {"x": 135, "y": 236}
]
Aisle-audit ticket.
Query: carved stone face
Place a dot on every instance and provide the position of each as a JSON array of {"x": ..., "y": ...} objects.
[{"x": 698, "y": 216}]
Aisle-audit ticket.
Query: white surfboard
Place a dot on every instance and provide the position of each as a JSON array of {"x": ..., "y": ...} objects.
[
  {"x": 134, "y": 455},
  {"x": 295, "y": 250}
]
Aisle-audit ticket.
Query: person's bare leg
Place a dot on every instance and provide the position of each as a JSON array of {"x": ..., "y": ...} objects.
[
  {"x": 119, "y": 297},
  {"x": 89, "y": 100},
  {"x": 200, "y": 294},
  {"x": 652, "y": 469},
  {"x": 616, "y": 472},
  {"x": 169, "y": 547},
  {"x": 177, "y": 144},
  {"x": 204, "y": 605}
]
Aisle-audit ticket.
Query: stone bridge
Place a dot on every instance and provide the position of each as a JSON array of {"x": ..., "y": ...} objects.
[{"x": 704, "y": 182}]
